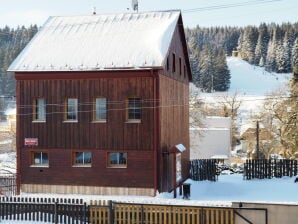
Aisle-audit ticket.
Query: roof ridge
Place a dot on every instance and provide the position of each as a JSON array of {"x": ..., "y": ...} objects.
[{"x": 119, "y": 13}]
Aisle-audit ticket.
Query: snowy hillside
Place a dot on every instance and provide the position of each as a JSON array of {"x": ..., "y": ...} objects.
[
  {"x": 251, "y": 80},
  {"x": 251, "y": 83}
]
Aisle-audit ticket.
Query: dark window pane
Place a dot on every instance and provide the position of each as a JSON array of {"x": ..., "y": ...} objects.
[
  {"x": 113, "y": 158},
  {"x": 79, "y": 157},
  {"x": 45, "y": 159},
  {"x": 122, "y": 158},
  {"x": 87, "y": 157}
]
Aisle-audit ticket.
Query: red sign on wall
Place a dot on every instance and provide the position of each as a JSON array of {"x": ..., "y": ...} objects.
[{"x": 31, "y": 141}]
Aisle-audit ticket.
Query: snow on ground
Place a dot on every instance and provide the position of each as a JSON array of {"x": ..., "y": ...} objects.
[
  {"x": 7, "y": 162},
  {"x": 228, "y": 189},
  {"x": 251, "y": 83},
  {"x": 252, "y": 80}
]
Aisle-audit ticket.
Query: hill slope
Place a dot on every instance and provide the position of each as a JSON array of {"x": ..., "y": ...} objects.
[{"x": 252, "y": 80}]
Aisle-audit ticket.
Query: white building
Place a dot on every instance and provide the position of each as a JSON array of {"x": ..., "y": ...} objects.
[{"x": 213, "y": 140}]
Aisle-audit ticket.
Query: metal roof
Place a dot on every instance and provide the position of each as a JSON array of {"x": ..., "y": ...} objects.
[{"x": 98, "y": 42}]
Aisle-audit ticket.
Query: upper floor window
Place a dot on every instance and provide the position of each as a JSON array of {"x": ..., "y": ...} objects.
[
  {"x": 173, "y": 63},
  {"x": 82, "y": 158},
  {"x": 39, "y": 109},
  {"x": 71, "y": 109},
  {"x": 39, "y": 159},
  {"x": 168, "y": 66},
  {"x": 133, "y": 109},
  {"x": 180, "y": 66},
  {"x": 100, "y": 109},
  {"x": 117, "y": 159}
]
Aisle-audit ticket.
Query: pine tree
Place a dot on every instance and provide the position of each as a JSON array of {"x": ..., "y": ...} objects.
[
  {"x": 194, "y": 53},
  {"x": 295, "y": 58},
  {"x": 270, "y": 64},
  {"x": 222, "y": 77},
  {"x": 247, "y": 49},
  {"x": 262, "y": 45},
  {"x": 206, "y": 65}
]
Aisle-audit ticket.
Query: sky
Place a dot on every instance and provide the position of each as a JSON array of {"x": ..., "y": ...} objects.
[{"x": 204, "y": 13}]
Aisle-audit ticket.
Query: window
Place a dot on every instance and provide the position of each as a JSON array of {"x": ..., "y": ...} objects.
[
  {"x": 100, "y": 109},
  {"x": 39, "y": 109},
  {"x": 174, "y": 64},
  {"x": 72, "y": 109},
  {"x": 180, "y": 67},
  {"x": 82, "y": 158},
  {"x": 117, "y": 159},
  {"x": 133, "y": 109},
  {"x": 39, "y": 159},
  {"x": 168, "y": 66}
]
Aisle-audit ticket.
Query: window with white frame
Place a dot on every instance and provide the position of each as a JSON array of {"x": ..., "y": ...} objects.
[
  {"x": 100, "y": 109},
  {"x": 117, "y": 159},
  {"x": 82, "y": 158},
  {"x": 133, "y": 109},
  {"x": 71, "y": 110},
  {"x": 39, "y": 159},
  {"x": 39, "y": 109}
]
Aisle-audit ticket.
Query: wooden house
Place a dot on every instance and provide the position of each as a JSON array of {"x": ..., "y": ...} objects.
[{"x": 102, "y": 105}]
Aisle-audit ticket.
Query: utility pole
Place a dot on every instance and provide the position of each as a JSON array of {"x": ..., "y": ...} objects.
[
  {"x": 257, "y": 139},
  {"x": 212, "y": 87}
]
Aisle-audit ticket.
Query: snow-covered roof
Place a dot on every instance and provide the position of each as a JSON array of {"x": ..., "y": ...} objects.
[
  {"x": 220, "y": 157},
  {"x": 96, "y": 42}
]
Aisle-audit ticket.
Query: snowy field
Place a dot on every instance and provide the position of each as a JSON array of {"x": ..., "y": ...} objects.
[
  {"x": 251, "y": 84},
  {"x": 252, "y": 80}
]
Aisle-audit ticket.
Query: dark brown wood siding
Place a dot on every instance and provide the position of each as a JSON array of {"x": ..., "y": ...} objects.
[
  {"x": 174, "y": 112},
  {"x": 139, "y": 171},
  {"x": 59, "y": 138},
  {"x": 174, "y": 128}
]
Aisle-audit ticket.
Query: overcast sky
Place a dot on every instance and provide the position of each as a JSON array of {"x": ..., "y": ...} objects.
[{"x": 195, "y": 12}]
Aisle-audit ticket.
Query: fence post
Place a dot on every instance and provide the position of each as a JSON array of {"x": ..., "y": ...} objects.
[
  {"x": 84, "y": 213},
  {"x": 142, "y": 214},
  {"x": 111, "y": 212},
  {"x": 56, "y": 212}
]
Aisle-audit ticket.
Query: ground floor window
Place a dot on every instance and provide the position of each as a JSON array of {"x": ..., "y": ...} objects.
[
  {"x": 117, "y": 159},
  {"x": 82, "y": 158},
  {"x": 39, "y": 159}
]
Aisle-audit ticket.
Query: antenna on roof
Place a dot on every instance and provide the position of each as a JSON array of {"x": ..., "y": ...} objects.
[
  {"x": 94, "y": 10},
  {"x": 135, "y": 5}
]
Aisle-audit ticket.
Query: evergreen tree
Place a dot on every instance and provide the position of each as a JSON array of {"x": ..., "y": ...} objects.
[
  {"x": 262, "y": 45},
  {"x": 295, "y": 57},
  {"x": 12, "y": 41},
  {"x": 222, "y": 75},
  {"x": 270, "y": 64},
  {"x": 248, "y": 45},
  {"x": 207, "y": 69}
]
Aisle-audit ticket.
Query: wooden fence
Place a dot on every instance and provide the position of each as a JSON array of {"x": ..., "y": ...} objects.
[
  {"x": 67, "y": 211},
  {"x": 268, "y": 168},
  {"x": 126, "y": 213},
  {"x": 203, "y": 169},
  {"x": 7, "y": 184}
]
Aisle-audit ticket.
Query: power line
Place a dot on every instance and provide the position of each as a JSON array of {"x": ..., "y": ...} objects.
[{"x": 229, "y": 5}]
